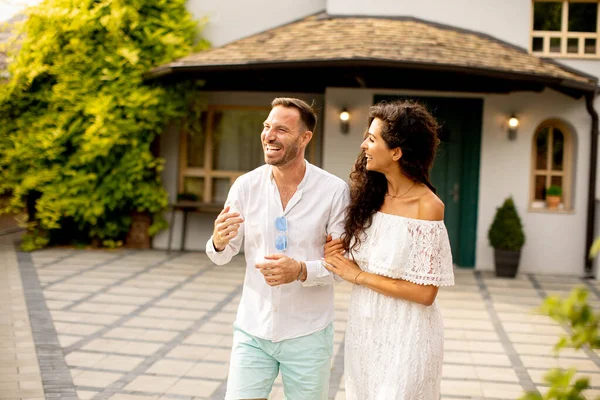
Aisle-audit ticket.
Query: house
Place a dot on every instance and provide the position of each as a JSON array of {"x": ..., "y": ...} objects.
[
  {"x": 4, "y": 36},
  {"x": 477, "y": 65},
  {"x": 7, "y": 29}
]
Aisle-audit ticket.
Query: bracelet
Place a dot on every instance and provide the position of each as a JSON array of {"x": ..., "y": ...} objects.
[
  {"x": 299, "y": 273},
  {"x": 356, "y": 277}
]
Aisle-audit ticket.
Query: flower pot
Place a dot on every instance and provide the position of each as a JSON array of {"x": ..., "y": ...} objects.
[
  {"x": 138, "y": 237},
  {"x": 507, "y": 262},
  {"x": 552, "y": 202}
]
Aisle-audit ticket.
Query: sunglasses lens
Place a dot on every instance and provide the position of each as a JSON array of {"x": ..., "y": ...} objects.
[
  {"x": 281, "y": 224},
  {"x": 281, "y": 243}
]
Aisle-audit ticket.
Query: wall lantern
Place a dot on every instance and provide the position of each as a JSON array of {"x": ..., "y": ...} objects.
[
  {"x": 344, "y": 121},
  {"x": 513, "y": 124}
]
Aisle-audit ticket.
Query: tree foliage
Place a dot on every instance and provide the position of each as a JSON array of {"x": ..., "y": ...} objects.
[
  {"x": 77, "y": 119},
  {"x": 582, "y": 322}
]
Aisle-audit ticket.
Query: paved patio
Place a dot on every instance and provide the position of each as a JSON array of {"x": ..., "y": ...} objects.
[{"x": 144, "y": 325}]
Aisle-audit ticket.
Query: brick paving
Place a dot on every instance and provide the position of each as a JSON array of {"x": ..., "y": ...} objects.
[{"x": 144, "y": 325}]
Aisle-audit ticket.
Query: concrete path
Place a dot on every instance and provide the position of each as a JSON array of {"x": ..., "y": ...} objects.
[{"x": 143, "y": 325}]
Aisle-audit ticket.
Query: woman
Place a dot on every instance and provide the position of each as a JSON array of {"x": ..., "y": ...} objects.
[{"x": 399, "y": 256}]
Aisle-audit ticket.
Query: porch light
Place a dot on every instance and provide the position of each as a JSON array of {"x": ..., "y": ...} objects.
[
  {"x": 344, "y": 121},
  {"x": 513, "y": 124}
]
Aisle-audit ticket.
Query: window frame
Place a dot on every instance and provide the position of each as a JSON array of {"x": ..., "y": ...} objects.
[
  {"x": 564, "y": 33},
  {"x": 207, "y": 171},
  {"x": 566, "y": 173}
]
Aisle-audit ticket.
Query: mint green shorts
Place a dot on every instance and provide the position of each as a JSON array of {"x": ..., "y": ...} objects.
[{"x": 304, "y": 362}]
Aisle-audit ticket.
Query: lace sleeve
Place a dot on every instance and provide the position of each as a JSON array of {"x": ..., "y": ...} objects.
[{"x": 430, "y": 258}]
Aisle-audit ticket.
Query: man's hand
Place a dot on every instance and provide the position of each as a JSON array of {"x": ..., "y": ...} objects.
[
  {"x": 227, "y": 225},
  {"x": 333, "y": 247},
  {"x": 280, "y": 269}
]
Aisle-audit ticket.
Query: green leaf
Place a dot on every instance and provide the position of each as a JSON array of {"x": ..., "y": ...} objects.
[
  {"x": 595, "y": 248},
  {"x": 77, "y": 119}
]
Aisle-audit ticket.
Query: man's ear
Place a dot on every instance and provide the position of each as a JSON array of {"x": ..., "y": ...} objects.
[
  {"x": 306, "y": 137},
  {"x": 397, "y": 154}
]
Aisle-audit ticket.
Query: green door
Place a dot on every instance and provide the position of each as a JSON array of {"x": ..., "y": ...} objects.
[
  {"x": 455, "y": 172},
  {"x": 445, "y": 177}
]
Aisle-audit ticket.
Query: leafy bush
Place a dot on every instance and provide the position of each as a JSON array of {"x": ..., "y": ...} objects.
[
  {"x": 77, "y": 119},
  {"x": 554, "y": 190},
  {"x": 595, "y": 249},
  {"x": 575, "y": 313},
  {"x": 506, "y": 231}
]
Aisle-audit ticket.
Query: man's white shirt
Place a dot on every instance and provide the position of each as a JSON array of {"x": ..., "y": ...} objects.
[{"x": 315, "y": 210}]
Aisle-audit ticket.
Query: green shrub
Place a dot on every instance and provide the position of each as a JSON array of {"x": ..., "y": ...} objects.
[
  {"x": 554, "y": 190},
  {"x": 185, "y": 196},
  {"x": 77, "y": 119},
  {"x": 595, "y": 249},
  {"x": 583, "y": 323},
  {"x": 506, "y": 231}
]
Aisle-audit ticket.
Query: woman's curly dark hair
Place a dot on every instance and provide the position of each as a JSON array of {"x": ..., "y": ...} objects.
[{"x": 409, "y": 126}]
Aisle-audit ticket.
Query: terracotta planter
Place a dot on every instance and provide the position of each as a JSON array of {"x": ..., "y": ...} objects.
[
  {"x": 507, "y": 262},
  {"x": 138, "y": 237},
  {"x": 552, "y": 202}
]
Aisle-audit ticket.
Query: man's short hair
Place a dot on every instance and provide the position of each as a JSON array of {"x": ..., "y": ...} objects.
[{"x": 308, "y": 116}]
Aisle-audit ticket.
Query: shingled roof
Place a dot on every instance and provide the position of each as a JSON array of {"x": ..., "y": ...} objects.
[{"x": 328, "y": 40}]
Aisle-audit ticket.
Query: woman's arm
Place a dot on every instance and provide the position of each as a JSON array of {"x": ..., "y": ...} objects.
[
  {"x": 430, "y": 208},
  {"x": 396, "y": 288}
]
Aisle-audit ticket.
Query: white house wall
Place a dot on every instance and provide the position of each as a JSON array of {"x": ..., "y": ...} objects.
[
  {"x": 200, "y": 225},
  {"x": 508, "y": 20},
  {"x": 590, "y": 67},
  {"x": 229, "y": 20},
  {"x": 555, "y": 242}
]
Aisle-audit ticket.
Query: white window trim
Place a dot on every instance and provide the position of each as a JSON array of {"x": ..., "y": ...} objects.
[
  {"x": 566, "y": 174},
  {"x": 207, "y": 171},
  {"x": 564, "y": 34}
]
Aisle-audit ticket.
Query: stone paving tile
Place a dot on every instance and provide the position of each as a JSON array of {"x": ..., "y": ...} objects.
[
  {"x": 20, "y": 376},
  {"x": 144, "y": 325}
]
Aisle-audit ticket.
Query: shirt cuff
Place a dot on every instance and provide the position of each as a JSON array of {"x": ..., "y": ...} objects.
[
  {"x": 316, "y": 274},
  {"x": 218, "y": 257}
]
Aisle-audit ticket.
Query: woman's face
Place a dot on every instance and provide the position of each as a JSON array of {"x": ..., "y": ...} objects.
[{"x": 379, "y": 156}]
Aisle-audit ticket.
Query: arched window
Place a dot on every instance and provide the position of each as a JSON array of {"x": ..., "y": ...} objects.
[{"x": 552, "y": 166}]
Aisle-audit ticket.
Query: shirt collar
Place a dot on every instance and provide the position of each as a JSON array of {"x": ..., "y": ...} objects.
[{"x": 302, "y": 183}]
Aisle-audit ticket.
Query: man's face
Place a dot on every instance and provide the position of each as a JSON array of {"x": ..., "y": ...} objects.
[{"x": 282, "y": 136}]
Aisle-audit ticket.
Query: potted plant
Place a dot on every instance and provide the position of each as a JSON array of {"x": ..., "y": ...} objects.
[
  {"x": 507, "y": 238},
  {"x": 187, "y": 196},
  {"x": 553, "y": 196}
]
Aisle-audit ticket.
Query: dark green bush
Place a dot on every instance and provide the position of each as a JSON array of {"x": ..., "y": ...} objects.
[{"x": 506, "y": 231}]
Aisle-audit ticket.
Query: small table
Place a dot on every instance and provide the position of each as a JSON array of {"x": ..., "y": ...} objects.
[{"x": 188, "y": 206}]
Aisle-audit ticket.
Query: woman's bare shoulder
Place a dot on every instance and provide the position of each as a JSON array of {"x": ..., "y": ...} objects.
[{"x": 431, "y": 208}]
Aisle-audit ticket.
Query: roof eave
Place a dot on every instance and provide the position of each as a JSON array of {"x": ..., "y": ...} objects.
[{"x": 555, "y": 82}]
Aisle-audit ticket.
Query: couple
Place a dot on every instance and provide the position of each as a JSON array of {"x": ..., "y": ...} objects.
[{"x": 390, "y": 227}]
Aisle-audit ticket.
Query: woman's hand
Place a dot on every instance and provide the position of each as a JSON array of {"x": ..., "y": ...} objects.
[
  {"x": 346, "y": 269},
  {"x": 333, "y": 247}
]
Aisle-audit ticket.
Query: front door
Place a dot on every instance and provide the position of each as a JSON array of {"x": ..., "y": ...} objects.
[{"x": 455, "y": 173}]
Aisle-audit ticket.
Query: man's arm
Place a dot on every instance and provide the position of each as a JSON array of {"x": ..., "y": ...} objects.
[
  {"x": 228, "y": 232},
  {"x": 315, "y": 273}
]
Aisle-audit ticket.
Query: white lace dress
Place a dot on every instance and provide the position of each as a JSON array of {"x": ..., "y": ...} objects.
[{"x": 394, "y": 347}]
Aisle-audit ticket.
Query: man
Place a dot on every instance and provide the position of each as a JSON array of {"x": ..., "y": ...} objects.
[{"x": 284, "y": 210}]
